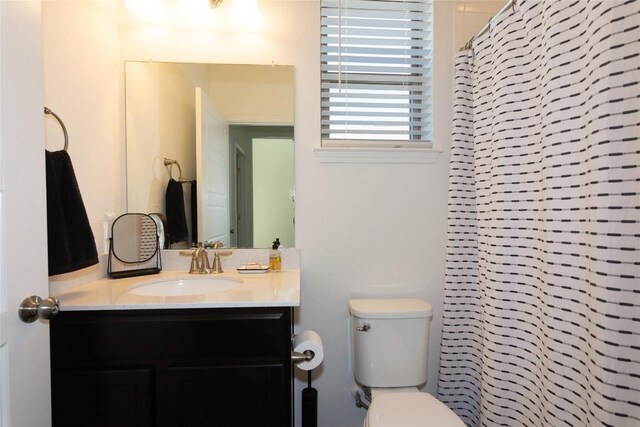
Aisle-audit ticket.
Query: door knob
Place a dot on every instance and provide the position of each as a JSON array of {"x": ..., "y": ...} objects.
[{"x": 34, "y": 308}]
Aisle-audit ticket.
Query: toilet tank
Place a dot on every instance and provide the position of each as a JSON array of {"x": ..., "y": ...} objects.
[{"x": 390, "y": 341}]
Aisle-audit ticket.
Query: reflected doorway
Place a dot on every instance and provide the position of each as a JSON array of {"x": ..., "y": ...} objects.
[
  {"x": 243, "y": 226},
  {"x": 263, "y": 176}
]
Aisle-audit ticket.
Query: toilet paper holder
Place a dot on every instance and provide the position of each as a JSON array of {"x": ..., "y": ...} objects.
[
  {"x": 305, "y": 356},
  {"x": 306, "y": 350}
]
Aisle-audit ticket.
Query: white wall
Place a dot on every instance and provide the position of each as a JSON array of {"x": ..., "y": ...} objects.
[
  {"x": 83, "y": 85},
  {"x": 364, "y": 229},
  {"x": 471, "y": 16}
]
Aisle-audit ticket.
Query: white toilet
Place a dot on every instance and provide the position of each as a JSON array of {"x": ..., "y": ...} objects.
[{"x": 390, "y": 345}]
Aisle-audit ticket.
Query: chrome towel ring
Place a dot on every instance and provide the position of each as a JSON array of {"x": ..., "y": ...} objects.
[
  {"x": 64, "y": 129},
  {"x": 170, "y": 163}
]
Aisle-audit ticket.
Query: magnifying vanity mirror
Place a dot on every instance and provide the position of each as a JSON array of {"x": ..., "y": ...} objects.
[
  {"x": 224, "y": 134},
  {"x": 134, "y": 246}
]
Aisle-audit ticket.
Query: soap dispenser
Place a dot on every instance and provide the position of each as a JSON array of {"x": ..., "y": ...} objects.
[{"x": 275, "y": 261}]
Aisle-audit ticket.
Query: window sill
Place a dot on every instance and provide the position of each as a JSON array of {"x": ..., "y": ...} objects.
[{"x": 376, "y": 155}]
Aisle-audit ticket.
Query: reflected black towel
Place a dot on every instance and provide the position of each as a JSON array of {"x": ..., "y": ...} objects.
[
  {"x": 71, "y": 243},
  {"x": 194, "y": 212},
  {"x": 176, "y": 217}
]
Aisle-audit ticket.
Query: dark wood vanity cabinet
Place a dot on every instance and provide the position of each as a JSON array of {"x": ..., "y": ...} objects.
[{"x": 172, "y": 367}]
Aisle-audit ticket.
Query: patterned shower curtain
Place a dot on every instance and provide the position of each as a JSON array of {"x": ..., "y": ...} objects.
[{"x": 542, "y": 300}]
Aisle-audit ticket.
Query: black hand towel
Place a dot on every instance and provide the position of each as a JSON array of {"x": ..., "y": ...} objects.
[
  {"x": 176, "y": 217},
  {"x": 194, "y": 212},
  {"x": 70, "y": 239}
]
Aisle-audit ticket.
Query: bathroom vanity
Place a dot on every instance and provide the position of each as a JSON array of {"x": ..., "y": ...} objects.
[{"x": 216, "y": 359}]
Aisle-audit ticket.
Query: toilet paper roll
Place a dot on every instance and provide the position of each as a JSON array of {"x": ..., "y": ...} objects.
[{"x": 309, "y": 340}]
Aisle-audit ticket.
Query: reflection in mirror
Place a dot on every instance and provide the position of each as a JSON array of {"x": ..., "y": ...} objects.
[
  {"x": 230, "y": 128},
  {"x": 134, "y": 238},
  {"x": 263, "y": 199},
  {"x": 134, "y": 241}
]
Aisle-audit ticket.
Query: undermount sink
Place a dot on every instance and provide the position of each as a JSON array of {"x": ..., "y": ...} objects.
[{"x": 180, "y": 287}]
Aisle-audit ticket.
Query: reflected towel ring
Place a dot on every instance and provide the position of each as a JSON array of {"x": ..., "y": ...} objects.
[
  {"x": 170, "y": 163},
  {"x": 64, "y": 129}
]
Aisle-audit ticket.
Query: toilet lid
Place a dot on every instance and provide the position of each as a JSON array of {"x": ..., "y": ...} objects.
[{"x": 410, "y": 410}]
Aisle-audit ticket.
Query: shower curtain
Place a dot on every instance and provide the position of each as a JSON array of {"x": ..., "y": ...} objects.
[{"x": 542, "y": 298}]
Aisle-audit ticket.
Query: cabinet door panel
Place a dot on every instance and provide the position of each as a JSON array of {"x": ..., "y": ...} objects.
[
  {"x": 178, "y": 367},
  {"x": 224, "y": 334},
  {"x": 102, "y": 398},
  {"x": 228, "y": 396}
]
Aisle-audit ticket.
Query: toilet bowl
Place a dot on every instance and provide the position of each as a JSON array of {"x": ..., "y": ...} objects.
[
  {"x": 410, "y": 408},
  {"x": 390, "y": 346}
]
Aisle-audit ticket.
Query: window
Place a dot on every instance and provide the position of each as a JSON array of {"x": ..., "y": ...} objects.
[{"x": 376, "y": 72}]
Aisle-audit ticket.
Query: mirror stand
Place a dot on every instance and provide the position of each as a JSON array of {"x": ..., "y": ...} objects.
[{"x": 134, "y": 241}]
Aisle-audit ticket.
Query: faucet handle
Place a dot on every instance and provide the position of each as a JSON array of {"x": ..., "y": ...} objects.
[
  {"x": 194, "y": 269},
  {"x": 216, "y": 268},
  {"x": 209, "y": 244}
]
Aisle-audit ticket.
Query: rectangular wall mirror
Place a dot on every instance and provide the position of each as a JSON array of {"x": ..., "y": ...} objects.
[{"x": 224, "y": 134}]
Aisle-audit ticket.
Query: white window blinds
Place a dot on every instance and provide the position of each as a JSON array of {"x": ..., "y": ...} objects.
[{"x": 376, "y": 71}]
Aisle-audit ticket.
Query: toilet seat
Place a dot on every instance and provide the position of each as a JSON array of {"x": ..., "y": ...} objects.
[{"x": 414, "y": 409}]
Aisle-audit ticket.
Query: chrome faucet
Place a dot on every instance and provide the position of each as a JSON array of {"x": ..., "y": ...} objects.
[{"x": 200, "y": 262}]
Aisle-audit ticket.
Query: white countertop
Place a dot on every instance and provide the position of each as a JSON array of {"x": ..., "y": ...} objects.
[{"x": 271, "y": 289}]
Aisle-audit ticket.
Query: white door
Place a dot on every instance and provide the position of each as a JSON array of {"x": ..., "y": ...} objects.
[
  {"x": 24, "y": 348},
  {"x": 212, "y": 164},
  {"x": 273, "y": 206}
]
